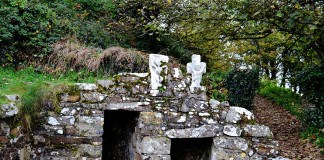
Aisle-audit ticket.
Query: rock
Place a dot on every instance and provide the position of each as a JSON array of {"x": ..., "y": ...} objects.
[
  {"x": 8, "y": 110},
  {"x": 63, "y": 120},
  {"x": 105, "y": 83},
  {"x": 200, "y": 132},
  {"x": 232, "y": 130},
  {"x": 228, "y": 154},
  {"x": 131, "y": 106},
  {"x": 93, "y": 151},
  {"x": 70, "y": 98},
  {"x": 151, "y": 118},
  {"x": 214, "y": 104},
  {"x": 236, "y": 114},
  {"x": 156, "y": 145},
  {"x": 90, "y": 126},
  {"x": 93, "y": 97},
  {"x": 13, "y": 97},
  {"x": 87, "y": 86},
  {"x": 225, "y": 104},
  {"x": 234, "y": 143},
  {"x": 257, "y": 131},
  {"x": 4, "y": 129}
]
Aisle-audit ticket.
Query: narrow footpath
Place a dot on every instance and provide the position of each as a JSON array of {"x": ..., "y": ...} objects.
[{"x": 286, "y": 129}]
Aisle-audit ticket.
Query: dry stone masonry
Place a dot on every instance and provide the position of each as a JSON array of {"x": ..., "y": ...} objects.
[{"x": 141, "y": 116}]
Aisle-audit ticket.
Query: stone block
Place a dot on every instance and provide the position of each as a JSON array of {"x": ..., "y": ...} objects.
[
  {"x": 70, "y": 98},
  {"x": 234, "y": 143},
  {"x": 90, "y": 126},
  {"x": 236, "y": 114},
  {"x": 87, "y": 86},
  {"x": 222, "y": 154},
  {"x": 257, "y": 131},
  {"x": 155, "y": 145},
  {"x": 91, "y": 150},
  {"x": 130, "y": 106},
  {"x": 4, "y": 129},
  {"x": 8, "y": 110},
  {"x": 231, "y": 130},
  {"x": 150, "y": 118},
  {"x": 105, "y": 83},
  {"x": 63, "y": 120},
  {"x": 200, "y": 132},
  {"x": 93, "y": 97}
]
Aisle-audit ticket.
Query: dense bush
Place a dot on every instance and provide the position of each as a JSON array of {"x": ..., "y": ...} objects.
[
  {"x": 311, "y": 83},
  {"x": 26, "y": 32},
  {"x": 242, "y": 85},
  {"x": 281, "y": 96}
]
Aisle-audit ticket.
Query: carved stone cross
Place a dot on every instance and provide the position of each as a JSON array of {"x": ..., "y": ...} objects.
[
  {"x": 196, "y": 68},
  {"x": 158, "y": 69}
]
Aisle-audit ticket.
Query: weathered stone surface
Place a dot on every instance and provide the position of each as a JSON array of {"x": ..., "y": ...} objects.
[
  {"x": 196, "y": 68},
  {"x": 214, "y": 104},
  {"x": 147, "y": 118},
  {"x": 236, "y": 114},
  {"x": 93, "y": 97},
  {"x": 69, "y": 111},
  {"x": 200, "y": 132},
  {"x": 70, "y": 98},
  {"x": 4, "y": 129},
  {"x": 93, "y": 151},
  {"x": 13, "y": 97},
  {"x": 131, "y": 106},
  {"x": 264, "y": 150},
  {"x": 90, "y": 126},
  {"x": 8, "y": 110},
  {"x": 257, "y": 131},
  {"x": 232, "y": 130},
  {"x": 87, "y": 86},
  {"x": 63, "y": 120},
  {"x": 156, "y": 145},
  {"x": 228, "y": 154},
  {"x": 156, "y": 157},
  {"x": 105, "y": 83},
  {"x": 234, "y": 143},
  {"x": 157, "y": 65}
]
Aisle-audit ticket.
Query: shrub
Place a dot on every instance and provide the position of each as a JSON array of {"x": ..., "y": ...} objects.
[
  {"x": 310, "y": 81},
  {"x": 241, "y": 85}
]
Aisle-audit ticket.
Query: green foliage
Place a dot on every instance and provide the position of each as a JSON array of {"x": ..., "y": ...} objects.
[
  {"x": 315, "y": 135},
  {"x": 281, "y": 96},
  {"x": 242, "y": 85},
  {"x": 314, "y": 117},
  {"x": 216, "y": 85},
  {"x": 26, "y": 32},
  {"x": 310, "y": 81}
]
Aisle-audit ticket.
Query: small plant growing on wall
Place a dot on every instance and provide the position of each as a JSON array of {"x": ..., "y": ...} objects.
[{"x": 242, "y": 84}]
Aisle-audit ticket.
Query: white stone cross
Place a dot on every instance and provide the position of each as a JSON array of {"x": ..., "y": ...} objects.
[
  {"x": 158, "y": 65},
  {"x": 196, "y": 68}
]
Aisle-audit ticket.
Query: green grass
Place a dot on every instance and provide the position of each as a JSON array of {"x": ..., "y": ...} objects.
[
  {"x": 35, "y": 88},
  {"x": 19, "y": 82},
  {"x": 282, "y": 96}
]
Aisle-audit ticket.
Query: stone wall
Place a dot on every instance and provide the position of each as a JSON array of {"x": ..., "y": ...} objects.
[{"x": 170, "y": 105}]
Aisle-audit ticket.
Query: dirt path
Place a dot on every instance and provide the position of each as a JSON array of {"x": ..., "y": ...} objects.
[{"x": 286, "y": 129}]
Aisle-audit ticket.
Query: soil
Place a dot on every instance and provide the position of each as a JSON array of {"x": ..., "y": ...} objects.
[{"x": 286, "y": 129}]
